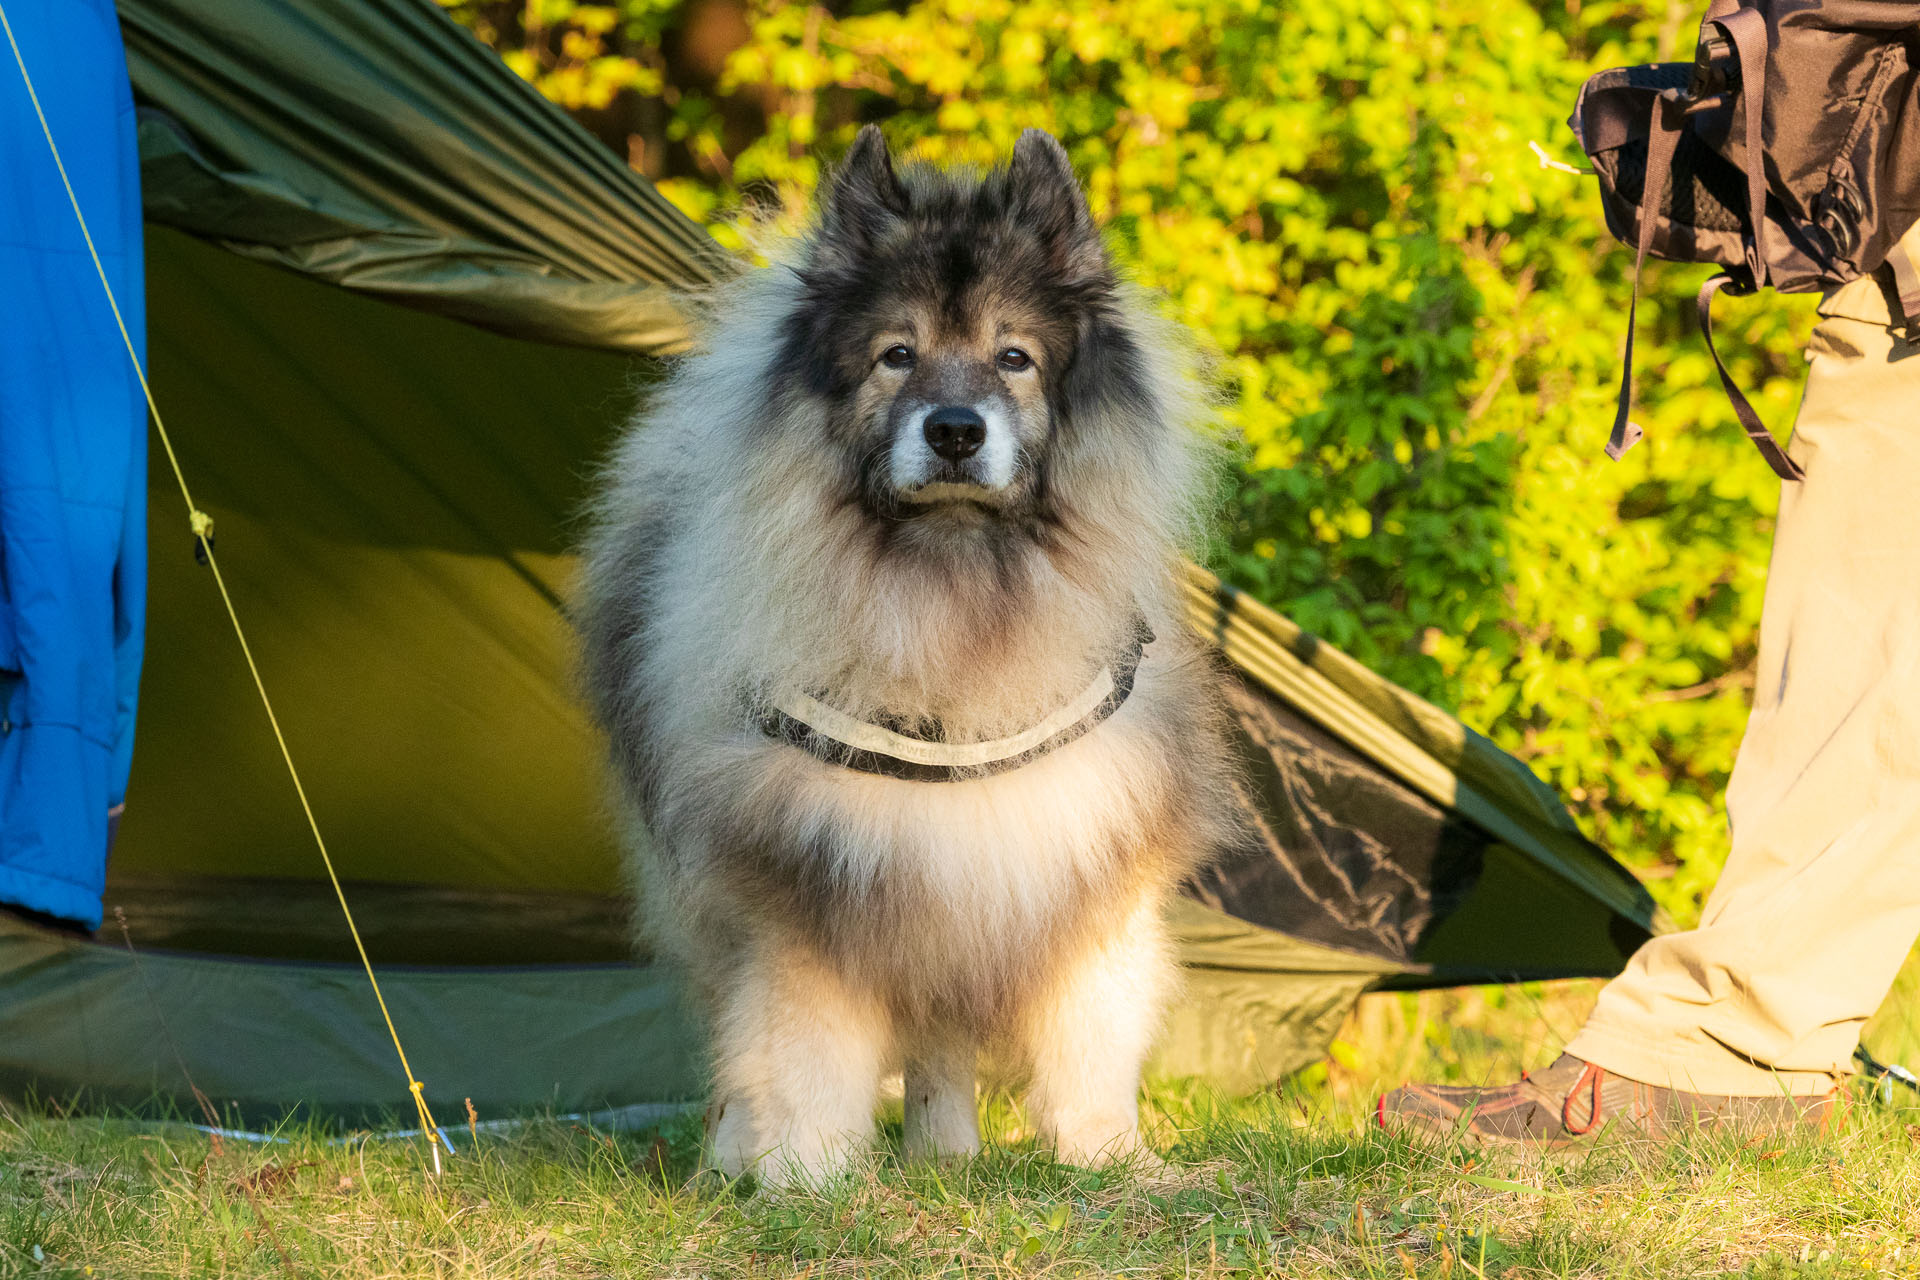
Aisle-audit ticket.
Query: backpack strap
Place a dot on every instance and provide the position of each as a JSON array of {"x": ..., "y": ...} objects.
[
  {"x": 1663, "y": 135},
  {"x": 1747, "y": 31},
  {"x": 1783, "y": 466}
]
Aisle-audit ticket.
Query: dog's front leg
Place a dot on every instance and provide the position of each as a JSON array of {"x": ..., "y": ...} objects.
[
  {"x": 941, "y": 1115},
  {"x": 1087, "y": 1035},
  {"x": 798, "y": 1052}
]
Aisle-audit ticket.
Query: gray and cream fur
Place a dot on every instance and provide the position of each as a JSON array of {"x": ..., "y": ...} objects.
[{"x": 932, "y": 468}]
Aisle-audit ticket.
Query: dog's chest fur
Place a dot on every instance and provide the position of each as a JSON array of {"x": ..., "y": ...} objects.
[{"x": 952, "y": 898}]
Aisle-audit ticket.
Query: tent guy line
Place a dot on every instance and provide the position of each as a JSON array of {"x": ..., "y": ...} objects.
[{"x": 202, "y": 525}]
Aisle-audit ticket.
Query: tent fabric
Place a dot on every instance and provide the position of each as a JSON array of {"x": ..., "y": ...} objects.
[
  {"x": 83, "y": 1023},
  {"x": 1377, "y": 818},
  {"x": 399, "y": 306},
  {"x": 393, "y": 495},
  {"x": 1425, "y": 747},
  {"x": 72, "y": 460},
  {"x": 90, "y": 1024},
  {"x": 375, "y": 145}
]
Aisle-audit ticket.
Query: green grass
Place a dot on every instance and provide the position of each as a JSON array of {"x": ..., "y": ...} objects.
[{"x": 1292, "y": 1183}]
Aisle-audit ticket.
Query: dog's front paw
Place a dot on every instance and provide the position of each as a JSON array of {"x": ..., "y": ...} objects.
[
  {"x": 736, "y": 1148},
  {"x": 793, "y": 1168},
  {"x": 733, "y": 1143},
  {"x": 1106, "y": 1149}
]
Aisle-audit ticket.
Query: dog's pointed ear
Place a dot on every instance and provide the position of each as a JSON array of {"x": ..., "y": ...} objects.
[
  {"x": 866, "y": 195},
  {"x": 1047, "y": 197}
]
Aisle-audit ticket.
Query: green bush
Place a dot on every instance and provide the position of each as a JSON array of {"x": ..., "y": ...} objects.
[{"x": 1417, "y": 326}]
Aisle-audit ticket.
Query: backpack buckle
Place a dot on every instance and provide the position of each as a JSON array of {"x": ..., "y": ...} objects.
[{"x": 1716, "y": 66}]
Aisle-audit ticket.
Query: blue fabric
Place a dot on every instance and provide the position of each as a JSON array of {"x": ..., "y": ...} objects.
[{"x": 72, "y": 458}]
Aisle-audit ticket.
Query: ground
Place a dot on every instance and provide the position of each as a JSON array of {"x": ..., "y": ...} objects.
[{"x": 1293, "y": 1183}]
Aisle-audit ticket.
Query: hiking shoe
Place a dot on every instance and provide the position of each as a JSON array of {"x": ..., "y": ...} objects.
[{"x": 1574, "y": 1100}]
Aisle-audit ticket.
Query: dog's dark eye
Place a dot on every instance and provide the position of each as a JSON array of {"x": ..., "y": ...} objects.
[
  {"x": 897, "y": 356},
  {"x": 1015, "y": 359}
]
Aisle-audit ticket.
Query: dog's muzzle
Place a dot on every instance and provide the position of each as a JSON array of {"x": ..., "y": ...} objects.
[{"x": 955, "y": 452}]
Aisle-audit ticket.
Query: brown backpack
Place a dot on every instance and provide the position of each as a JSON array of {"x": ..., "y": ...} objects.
[{"x": 1828, "y": 89}]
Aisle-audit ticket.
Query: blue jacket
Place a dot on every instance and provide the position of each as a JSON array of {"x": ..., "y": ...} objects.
[{"x": 72, "y": 458}]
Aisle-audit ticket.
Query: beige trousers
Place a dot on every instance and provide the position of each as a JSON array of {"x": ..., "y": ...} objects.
[{"x": 1820, "y": 899}]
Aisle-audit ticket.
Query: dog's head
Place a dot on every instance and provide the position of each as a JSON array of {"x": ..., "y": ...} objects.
[{"x": 960, "y": 329}]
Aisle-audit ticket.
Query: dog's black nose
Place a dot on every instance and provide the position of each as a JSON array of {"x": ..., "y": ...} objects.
[{"x": 955, "y": 432}]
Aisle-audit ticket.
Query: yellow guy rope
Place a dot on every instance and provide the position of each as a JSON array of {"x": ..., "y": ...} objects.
[{"x": 202, "y": 525}]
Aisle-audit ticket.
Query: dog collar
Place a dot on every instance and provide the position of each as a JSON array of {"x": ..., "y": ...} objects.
[{"x": 804, "y": 721}]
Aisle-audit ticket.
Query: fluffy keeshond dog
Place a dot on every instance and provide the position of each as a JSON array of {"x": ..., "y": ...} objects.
[{"x": 881, "y": 616}]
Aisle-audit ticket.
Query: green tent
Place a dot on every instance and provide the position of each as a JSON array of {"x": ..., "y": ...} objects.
[{"x": 397, "y": 305}]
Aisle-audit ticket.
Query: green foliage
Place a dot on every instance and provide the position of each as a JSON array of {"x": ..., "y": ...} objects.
[
  {"x": 1417, "y": 328},
  {"x": 580, "y": 55}
]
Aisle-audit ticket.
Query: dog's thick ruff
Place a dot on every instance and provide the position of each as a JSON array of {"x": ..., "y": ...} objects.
[{"x": 937, "y": 466}]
